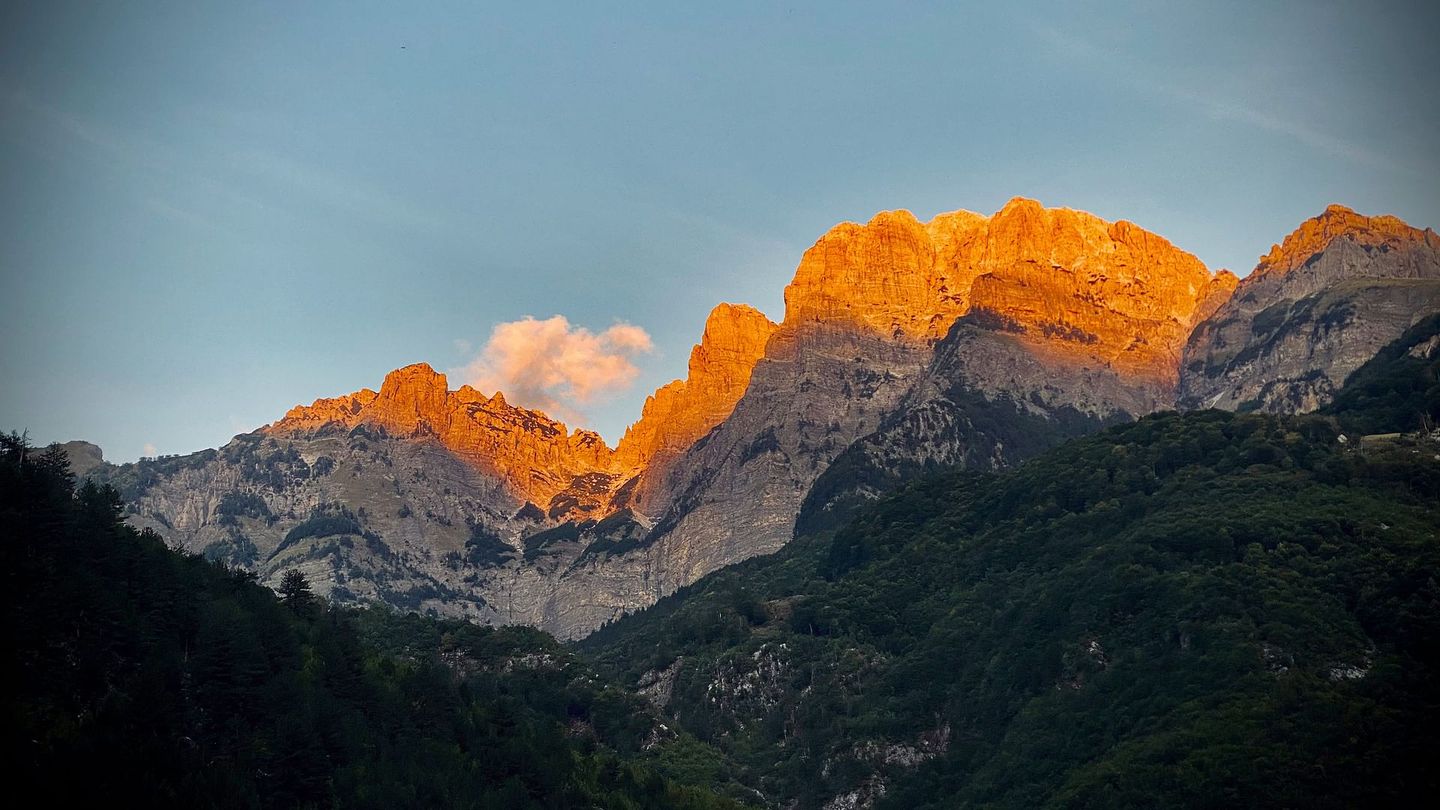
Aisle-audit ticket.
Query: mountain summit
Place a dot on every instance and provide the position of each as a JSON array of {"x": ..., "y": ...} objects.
[
  {"x": 966, "y": 340},
  {"x": 1061, "y": 278},
  {"x": 1316, "y": 307}
]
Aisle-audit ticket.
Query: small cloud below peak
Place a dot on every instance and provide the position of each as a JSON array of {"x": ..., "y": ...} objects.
[{"x": 556, "y": 367}]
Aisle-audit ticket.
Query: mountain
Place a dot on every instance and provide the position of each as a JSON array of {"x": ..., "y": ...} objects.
[
  {"x": 1048, "y": 288},
  {"x": 1085, "y": 628},
  {"x": 428, "y": 498},
  {"x": 525, "y": 451},
  {"x": 1192, "y": 610},
  {"x": 906, "y": 347},
  {"x": 174, "y": 682},
  {"x": 1315, "y": 308},
  {"x": 681, "y": 412}
]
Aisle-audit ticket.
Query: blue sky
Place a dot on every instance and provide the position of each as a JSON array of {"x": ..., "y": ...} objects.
[{"x": 214, "y": 211}]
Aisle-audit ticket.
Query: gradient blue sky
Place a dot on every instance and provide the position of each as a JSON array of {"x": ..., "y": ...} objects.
[{"x": 214, "y": 211}]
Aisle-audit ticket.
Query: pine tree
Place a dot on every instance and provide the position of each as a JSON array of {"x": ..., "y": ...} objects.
[{"x": 295, "y": 591}]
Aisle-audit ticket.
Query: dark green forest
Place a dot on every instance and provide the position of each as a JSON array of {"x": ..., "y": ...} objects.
[
  {"x": 147, "y": 677},
  {"x": 1198, "y": 610}
]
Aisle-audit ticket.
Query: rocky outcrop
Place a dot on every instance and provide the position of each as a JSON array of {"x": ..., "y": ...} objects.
[
  {"x": 679, "y": 413},
  {"x": 1086, "y": 315},
  {"x": 893, "y": 276},
  {"x": 735, "y": 494},
  {"x": 1065, "y": 281},
  {"x": 367, "y": 517},
  {"x": 83, "y": 457},
  {"x": 1316, "y": 307},
  {"x": 967, "y": 340},
  {"x": 985, "y": 401},
  {"x": 534, "y": 456}
]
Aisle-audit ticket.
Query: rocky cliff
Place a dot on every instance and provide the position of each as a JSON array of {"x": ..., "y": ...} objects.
[
  {"x": 1316, "y": 307},
  {"x": 1064, "y": 281},
  {"x": 906, "y": 345},
  {"x": 681, "y": 412},
  {"x": 1073, "y": 312},
  {"x": 535, "y": 456}
]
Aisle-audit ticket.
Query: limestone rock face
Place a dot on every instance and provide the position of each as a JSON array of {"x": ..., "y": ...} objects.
[
  {"x": 984, "y": 401},
  {"x": 1086, "y": 315},
  {"x": 1066, "y": 281},
  {"x": 83, "y": 456},
  {"x": 1316, "y": 234},
  {"x": 966, "y": 340},
  {"x": 1070, "y": 283},
  {"x": 679, "y": 413},
  {"x": 893, "y": 276},
  {"x": 535, "y": 456},
  {"x": 1317, "y": 306},
  {"x": 422, "y": 528}
]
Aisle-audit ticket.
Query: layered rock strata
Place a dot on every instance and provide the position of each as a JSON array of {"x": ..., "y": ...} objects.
[
  {"x": 906, "y": 345},
  {"x": 1316, "y": 307}
]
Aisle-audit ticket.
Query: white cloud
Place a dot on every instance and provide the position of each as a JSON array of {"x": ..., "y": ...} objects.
[
  {"x": 557, "y": 368},
  {"x": 149, "y": 450}
]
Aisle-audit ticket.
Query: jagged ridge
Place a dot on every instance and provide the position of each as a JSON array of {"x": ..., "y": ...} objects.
[{"x": 1059, "y": 321}]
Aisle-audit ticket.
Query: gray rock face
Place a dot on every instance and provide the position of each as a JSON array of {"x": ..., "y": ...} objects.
[
  {"x": 365, "y": 517},
  {"x": 735, "y": 493},
  {"x": 853, "y": 395},
  {"x": 83, "y": 456},
  {"x": 985, "y": 401},
  {"x": 1316, "y": 308}
]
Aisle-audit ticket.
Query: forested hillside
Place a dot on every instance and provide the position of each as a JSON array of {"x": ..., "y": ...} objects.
[
  {"x": 1205, "y": 609},
  {"x": 142, "y": 677}
]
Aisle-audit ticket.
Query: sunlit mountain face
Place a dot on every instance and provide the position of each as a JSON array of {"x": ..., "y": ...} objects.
[
  {"x": 759, "y": 406},
  {"x": 967, "y": 340}
]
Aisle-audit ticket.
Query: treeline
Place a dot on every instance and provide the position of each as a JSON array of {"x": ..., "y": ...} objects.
[{"x": 145, "y": 677}]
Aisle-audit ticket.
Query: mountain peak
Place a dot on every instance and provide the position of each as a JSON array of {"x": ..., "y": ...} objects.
[
  {"x": 1057, "y": 277},
  {"x": 410, "y": 394},
  {"x": 1021, "y": 204},
  {"x": 413, "y": 374},
  {"x": 684, "y": 410},
  {"x": 1314, "y": 235}
]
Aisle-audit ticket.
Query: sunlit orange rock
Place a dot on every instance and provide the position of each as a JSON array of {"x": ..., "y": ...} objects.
[
  {"x": 684, "y": 410},
  {"x": 1316, "y": 234},
  {"x": 893, "y": 275},
  {"x": 534, "y": 454},
  {"x": 1064, "y": 281},
  {"x": 1316, "y": 307},
  {"x": 330, "y": 410}
]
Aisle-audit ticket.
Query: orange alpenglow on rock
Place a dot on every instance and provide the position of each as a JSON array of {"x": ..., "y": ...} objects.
[
  {"x": 679, "y": 413},
  {"x": 893, "y": 276},
  {"x": 1062, "y": 281},
  {"x": 536, "y": 455},
  {"x": 1317, "y": 307},
  {"x": 1316, "y": 234}
]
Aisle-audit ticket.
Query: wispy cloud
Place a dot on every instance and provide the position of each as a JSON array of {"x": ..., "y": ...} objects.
[
  {"x": 63, "y": 135},
  {"x": 335, "y": 190},
  {"x": 1206, "y": 101},
  {"x": 555, "y": 367},
  {"x": 213, "y": 173}
]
